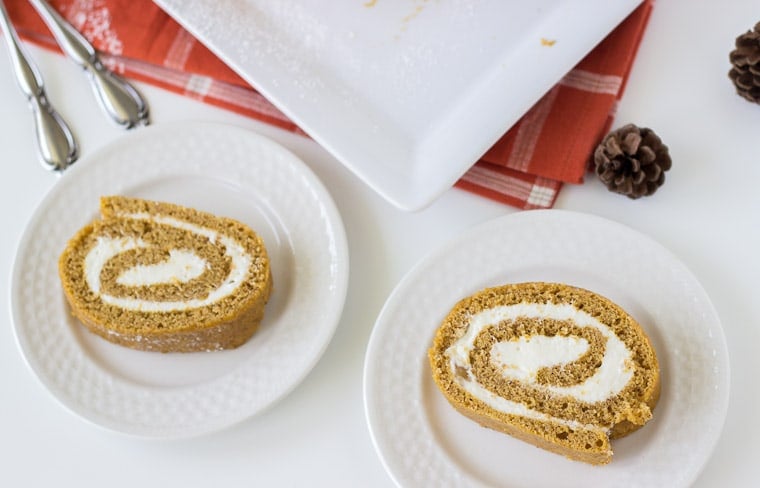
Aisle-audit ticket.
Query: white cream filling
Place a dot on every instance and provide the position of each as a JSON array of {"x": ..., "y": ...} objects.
[
  {"x": 104, "y": 250},
  {"x": 515, "y": 408},
  {"x": 182, "y": 265},
  {"x": 522, "y": 358}
]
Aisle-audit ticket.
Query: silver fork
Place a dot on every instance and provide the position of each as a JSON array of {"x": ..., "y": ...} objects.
[
  {"x": 56, "y": 144},
  {"x": 120, "y": 100}
]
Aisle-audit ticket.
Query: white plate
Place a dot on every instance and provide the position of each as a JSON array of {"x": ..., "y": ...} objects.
[
  {"x": 221, "y": 169},
  {"x": 423, "y": 441},
  {"x": 407, "y": 94}
]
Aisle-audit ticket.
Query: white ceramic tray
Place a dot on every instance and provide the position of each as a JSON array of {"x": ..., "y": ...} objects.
[{"x": 407, "y": 94}]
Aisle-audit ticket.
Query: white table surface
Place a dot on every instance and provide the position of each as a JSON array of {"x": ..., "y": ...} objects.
[{"x": 708, "y": 213}]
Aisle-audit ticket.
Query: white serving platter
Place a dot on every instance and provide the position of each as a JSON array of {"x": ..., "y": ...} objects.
[{"x": 408, "y": 94}]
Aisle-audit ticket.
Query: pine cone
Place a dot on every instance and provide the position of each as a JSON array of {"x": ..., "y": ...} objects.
[
  {"x": 745, "y": 59},
  {"x": 632, "y": 161}
]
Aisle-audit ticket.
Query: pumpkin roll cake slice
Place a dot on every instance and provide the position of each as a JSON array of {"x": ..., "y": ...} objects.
[
  {"x": 560, "y": 367},
  {"x": 161, "y": 277}
]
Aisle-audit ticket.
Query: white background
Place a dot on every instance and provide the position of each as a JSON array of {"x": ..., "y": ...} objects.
[{"x": 707, "y": 213}]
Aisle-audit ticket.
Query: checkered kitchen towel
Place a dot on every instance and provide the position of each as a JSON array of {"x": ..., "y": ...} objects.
[{"x": 550, "y": 145}]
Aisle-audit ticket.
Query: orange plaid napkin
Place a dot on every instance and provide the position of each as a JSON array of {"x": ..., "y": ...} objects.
[{"x": 550, "y": 145}]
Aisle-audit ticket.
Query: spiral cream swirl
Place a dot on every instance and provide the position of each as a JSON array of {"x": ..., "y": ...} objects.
[
  {"x": 551, "y": 364},
  {"x": 181, "y": 266},
  {"x": 521, "y": 358}
]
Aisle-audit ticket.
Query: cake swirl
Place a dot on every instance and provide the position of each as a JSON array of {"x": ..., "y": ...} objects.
[
  {"x": 558, "y": 366},
  {"x": 158, "y": 276}
]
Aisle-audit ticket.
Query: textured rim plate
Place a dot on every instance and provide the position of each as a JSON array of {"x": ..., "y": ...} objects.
[
  {"x": 408, "y": 95},
  {"x": 221, "y": 169},
  {"x": 422, "y": 441}
]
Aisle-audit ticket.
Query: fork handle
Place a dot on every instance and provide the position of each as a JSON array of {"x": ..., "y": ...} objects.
[
  {"x": 56, "y": 144},
  {"x": 119, "y": 99},
  {"x": 55, "y": 141}
]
